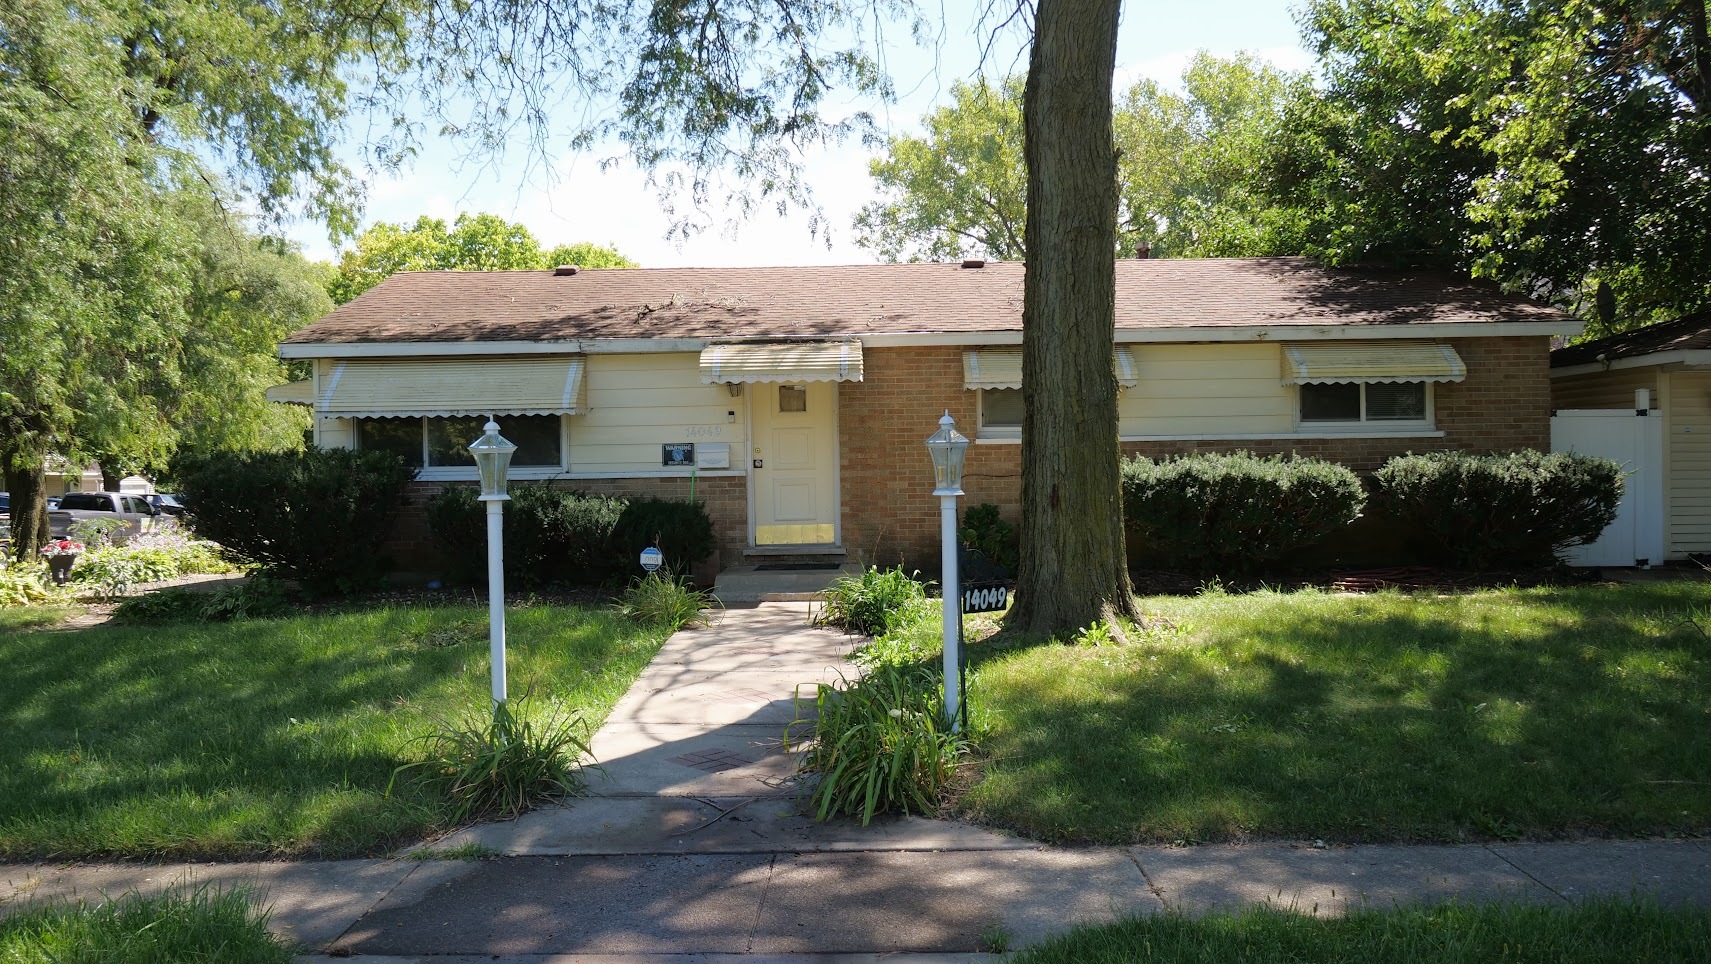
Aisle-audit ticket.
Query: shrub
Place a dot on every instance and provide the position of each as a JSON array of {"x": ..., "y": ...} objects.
[
  {"x": 984, "y": 531},
  {"x": 551, "y": 535},
  {"x": 880, "y": 745},
  {"x": 26, "y": 585},
  {"x": 501, "y": 763},
  {"x": 319, "y": 516},
  {"x": 1235, "y": 511},
  {"x": 114, "y": 570},
  {"x": 682, "y": 530},
  {"x": 873, "y": 603},
  {"x": 255, "y": 598},
  {"x": 555, "y": 535},
  {"x": 1488, "y": 511},
  {"x": 658, "y": 599}
]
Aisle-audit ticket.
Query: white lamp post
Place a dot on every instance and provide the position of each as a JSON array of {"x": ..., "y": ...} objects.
[
  {"x": 947, "y": 446},
  {"x": 493, "y": 459}
]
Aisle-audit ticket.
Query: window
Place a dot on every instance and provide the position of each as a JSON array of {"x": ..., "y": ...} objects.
[
  {"x": 1001, "y": 409},
  {"x": 792, "y": 398},
  {"x": 443, "y": 443},
  {"x": 1377, "y": 403}
]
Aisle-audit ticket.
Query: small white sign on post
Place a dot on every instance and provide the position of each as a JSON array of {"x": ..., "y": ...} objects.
[{"x": 652, "y": 559}]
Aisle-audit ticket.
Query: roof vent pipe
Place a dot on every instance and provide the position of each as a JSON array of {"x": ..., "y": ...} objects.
[
  {"x": 974, "y": 263},
  {"x": 565, "y": 270},
  {"x": 1143, "y": 250}
]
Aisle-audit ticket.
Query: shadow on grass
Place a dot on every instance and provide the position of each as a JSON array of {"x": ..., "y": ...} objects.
[
  {"x": 268, "y": 736},
  {"x": 1532, "y": 713}
]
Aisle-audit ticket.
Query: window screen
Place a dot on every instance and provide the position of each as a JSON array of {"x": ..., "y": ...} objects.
[
  {"x": 1001, "y": 408},
  {"x": 400, "y": 436},
  {"x": 1396, "y": 402},
  {"x": 792, "y": 398},
  {"x": 1330, "y": 403}
]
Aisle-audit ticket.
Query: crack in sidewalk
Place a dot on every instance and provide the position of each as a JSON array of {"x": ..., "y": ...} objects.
[
  {"x": 1157, "y": 891},
  {"x": 760, "y": 906},
  {"x": 330, "y": 945},
  {"x": 1527, "y": 874}
]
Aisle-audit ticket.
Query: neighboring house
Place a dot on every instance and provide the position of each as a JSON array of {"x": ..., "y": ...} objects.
[
  {"x": 62, "y": 477},
  {"x": 1671, "y": 364},
  {"x": 794, "y": 401}
]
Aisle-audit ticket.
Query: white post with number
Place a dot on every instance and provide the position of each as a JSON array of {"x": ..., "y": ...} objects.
[{"x": 947, "y": 447}]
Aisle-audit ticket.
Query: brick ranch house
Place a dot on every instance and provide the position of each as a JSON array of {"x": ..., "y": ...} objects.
[{"x": 794, "y": 401}]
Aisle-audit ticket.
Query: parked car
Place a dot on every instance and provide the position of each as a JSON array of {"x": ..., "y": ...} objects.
[
  {"x": 169, "y": 503},
  {"x": 133, "y": 510}
]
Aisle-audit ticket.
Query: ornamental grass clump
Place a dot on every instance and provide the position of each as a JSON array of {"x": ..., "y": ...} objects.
[
  {"x": 1491, "y": 511},
  {"x": 660, "y": 599},
  {"x": 880, "y": 746},
  {"x": 500, "y": 764},
  {"x": 873, "y": 603}
]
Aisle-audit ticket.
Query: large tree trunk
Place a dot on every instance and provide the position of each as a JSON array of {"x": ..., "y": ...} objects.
[
  {"x": 27, "y": 482},
  {"x": 1073, "y": 566}
]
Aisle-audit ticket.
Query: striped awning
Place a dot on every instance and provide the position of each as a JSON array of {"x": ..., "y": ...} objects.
[
  {"x": 1387, "y": 361},
  {"x": 442, "y": 387},
  {"x": 293, "y": 393},
  {"x": 1002, "y": 368},
  {"x": 829, "y": 361}
]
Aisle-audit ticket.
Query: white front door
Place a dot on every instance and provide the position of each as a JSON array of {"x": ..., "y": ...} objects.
[{"x": 795, "y": 463}]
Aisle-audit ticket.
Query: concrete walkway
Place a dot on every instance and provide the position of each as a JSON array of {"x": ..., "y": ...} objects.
[{"x": 692, "y": 849}]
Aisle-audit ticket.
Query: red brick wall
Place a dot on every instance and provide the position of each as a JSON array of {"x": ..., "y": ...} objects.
[
  {"x": 890, "y": 514},
  {"x": 726, "y": 498}
]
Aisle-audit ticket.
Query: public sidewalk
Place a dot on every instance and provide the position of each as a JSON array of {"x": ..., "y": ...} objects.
[{"x": 692, "y": 849}]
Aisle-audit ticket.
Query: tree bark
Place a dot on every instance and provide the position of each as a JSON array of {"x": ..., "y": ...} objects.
[
  {"x": 109, "y": 481},
  {"x": 1073, "y": 568},
  {"x": 26, "y": 481}
]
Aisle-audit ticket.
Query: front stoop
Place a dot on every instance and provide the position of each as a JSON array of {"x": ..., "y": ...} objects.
[{"x": 749, "y": 584}]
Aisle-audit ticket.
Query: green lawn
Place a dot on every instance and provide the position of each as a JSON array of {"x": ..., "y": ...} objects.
[
  {"x": 1510, "y": 713},
  {"x": 1592, "y": 933},
  {"x": 32, "y": 617},
  {"x": 267, "y": 737},
  {"x": 204, "y": 926}
]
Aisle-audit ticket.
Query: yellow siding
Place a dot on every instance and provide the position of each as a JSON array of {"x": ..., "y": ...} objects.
[
  {"x": 335, "y": 433},
  {"x": 1612, "y": 389},
  {"x": 636, "y": 403},
  {"x": 1215, "y": 390},
  {"x": 1689, "y": 463}
]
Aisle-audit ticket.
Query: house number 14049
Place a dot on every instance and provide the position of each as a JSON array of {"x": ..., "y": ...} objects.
[{"x": 705, "y": 431}]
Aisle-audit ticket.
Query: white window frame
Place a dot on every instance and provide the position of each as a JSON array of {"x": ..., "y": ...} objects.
[
  {"x": 1005, "y": 432},
  {"x": 460, "y": 473},
  {"x": 1365, "y": 425}
]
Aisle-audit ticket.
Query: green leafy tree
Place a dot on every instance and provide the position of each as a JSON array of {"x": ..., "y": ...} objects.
[
  {"x": 1561, "y": 148},
  {"x": 478, "y": 242},
  {"x": 960, "y": 190},
  {"x": 1188, "y": 185},
  {"x": 109, "y": 113}
]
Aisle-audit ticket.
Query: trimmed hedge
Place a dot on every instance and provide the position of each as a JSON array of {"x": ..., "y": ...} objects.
[
  {"x": 1495, "y": 511},
  {"x": 558, "y": 536},
  {"x": 1234, "y": 512},
  {"x": 318, "y": 516}
]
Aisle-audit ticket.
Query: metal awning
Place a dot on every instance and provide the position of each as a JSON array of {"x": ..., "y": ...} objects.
[
  {"x": 1002, "y": 368},
  {"x": 829, "y": 361},
  {"x": 441, "y": 387},
  {"x": 293, "y": 393},
  {"x": 1390, "y": 361}
]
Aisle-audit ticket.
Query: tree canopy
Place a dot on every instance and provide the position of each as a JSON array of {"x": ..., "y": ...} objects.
[
  {"x": 474, "y": 242},
  {"x": 1561, "y": 148},
  {"x": 1187, "y": 183}
]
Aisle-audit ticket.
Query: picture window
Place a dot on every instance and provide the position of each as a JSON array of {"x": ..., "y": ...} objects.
[
  {"x": 444, "y": 442},
  {"x": 1352, "y": 403}
]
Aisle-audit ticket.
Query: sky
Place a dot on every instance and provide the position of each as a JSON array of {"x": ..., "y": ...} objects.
[{"x": 574, "y": 200}]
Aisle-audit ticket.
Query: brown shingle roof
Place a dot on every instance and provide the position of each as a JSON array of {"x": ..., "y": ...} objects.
[
  {"x": 455, "y": 306},
  {"x": 1683, "y": 334}
]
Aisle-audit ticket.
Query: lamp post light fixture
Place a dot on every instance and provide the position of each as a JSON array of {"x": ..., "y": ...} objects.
[
  {"x": 493, "y": 460},
  {"x": 947, "y": 447}
]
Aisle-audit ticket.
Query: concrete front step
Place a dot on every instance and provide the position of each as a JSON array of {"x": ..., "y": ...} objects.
[{"x": 749, "y": 584}]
